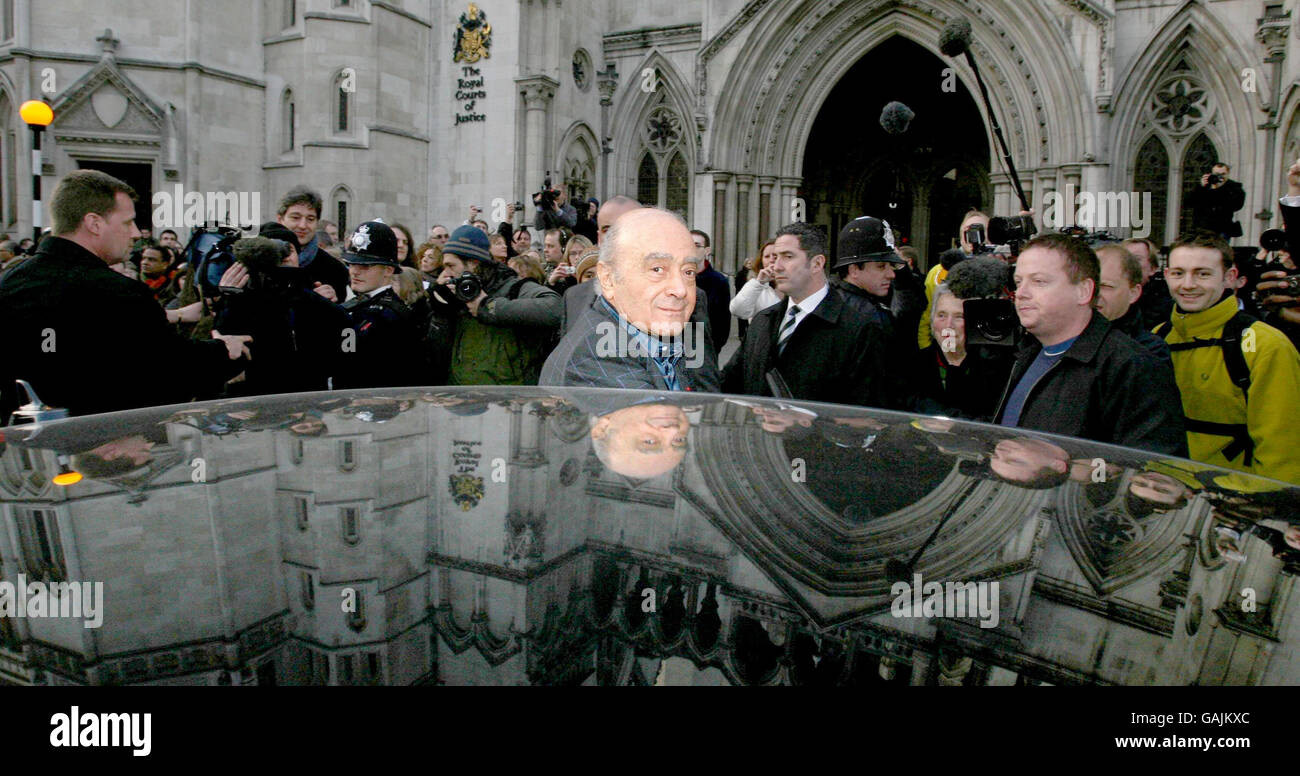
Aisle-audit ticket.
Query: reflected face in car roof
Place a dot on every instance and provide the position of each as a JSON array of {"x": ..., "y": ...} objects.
[
  {"x": 1157, "y": 487},
  {"x": 1025, "y": 458},
  {"x": 643, "y": 441}
]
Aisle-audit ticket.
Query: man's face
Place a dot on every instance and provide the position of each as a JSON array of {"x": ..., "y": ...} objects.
[
  {"x": 523, "y": 241},
  {"x": 1049, "y": 305},
  {"x": 1025, "y": 459},
  {"x": 152, "y": 262},
  {"x": 116, "y": 231},
  {"x": 301, "y": 220},
  {"x": 1158, "y": 488},
  {"x": 949, "y": 323},
  {"x": 1143, "y": 254},
  {"x": 643, "y": 441},
  {"x": 553, "y": 251},
  {"x": 333, "y": 231},
  {"x": 961, "y": 235},
  {"x": 1197, "y": 279},
  {"x": 1221, "y": 170},
  {"x": 454, "y": 266},
  {"x": 439, "y": 235},
  {"x": 609, "y": 213},
  {"x": 497, "y": 247},
  {"x": 1115, "y": 296},
  {"x": 701, "y": 249},
  {"x": 367, "y": 277},
  {"x": 561, "y": 197},
  {"x": 136, "y": 448},
  {"x": 796, "y": 273},
  {"x": 874, "y": 277},
  {"x": 651, "y": 281},
  {"x": 170, "y": 239},
  {"x": 482, "y": 226}
]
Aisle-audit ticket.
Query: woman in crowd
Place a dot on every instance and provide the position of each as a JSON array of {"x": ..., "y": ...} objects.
[
  {"x": 528, "y": 265},
  {"x": 758, "y": 293},
  {"x": 430, "y": 254},
  {"x": 586, "y": 267},
  {"x": 404, "y": 245},
  {"x": 498, "y": 247},
  {"x": 563, "y": 276}
]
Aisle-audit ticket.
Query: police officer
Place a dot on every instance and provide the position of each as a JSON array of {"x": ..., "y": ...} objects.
[{"x": 382, "y": 348}]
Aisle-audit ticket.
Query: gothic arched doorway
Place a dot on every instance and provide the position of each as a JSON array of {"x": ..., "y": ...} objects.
[{"x": 921, "y": 181}]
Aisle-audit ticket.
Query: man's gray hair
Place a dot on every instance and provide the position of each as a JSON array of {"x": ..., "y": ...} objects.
[
  {"x": 939, "y": 291},
  {"x": 609, "y": 247}
]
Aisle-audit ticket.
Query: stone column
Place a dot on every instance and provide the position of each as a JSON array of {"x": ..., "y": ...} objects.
[
  {"x": 720, "y": 214},
  {"x": 537, "y": 91},
  {"x": 746, "y": 223},
  {"x": 766, "y": 224},
  {"x": 607, "y": 83}
]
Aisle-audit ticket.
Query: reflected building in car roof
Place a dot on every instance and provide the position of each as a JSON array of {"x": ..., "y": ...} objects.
[{"x": 511, "y": 536}]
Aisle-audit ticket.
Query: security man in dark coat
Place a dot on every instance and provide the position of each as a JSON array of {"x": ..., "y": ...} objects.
[
  {"x": 816, "y": 344},
  {"x": 87, "y": 338},
  {"x": 382, "y": 349},
  {"x": 1077, "y": 375}
]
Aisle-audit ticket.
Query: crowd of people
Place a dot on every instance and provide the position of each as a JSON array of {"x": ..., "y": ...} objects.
[{"x": 1189, "y": 353}]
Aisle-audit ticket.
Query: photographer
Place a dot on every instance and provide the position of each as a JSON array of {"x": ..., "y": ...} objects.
[
  {"x": 1076, "y": 375},
  {"x": 295, "y": 332},
  {"x": 553, "y": 210},
  {"x": 1215, "y": 202},
  {"x": 500, "y": 327}
]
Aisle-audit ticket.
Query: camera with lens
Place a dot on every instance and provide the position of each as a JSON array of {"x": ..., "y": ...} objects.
[
  {"x": 1013, "y": 231},
  {"x": 991, "y": 322},
  {"x": 1216, "y": 179},
  {"x": 209, "y": 252},
  {"x": 978, "y": 240},
  {"x": 1273, "y": 240},
  {"x": 464, "y": 289}
]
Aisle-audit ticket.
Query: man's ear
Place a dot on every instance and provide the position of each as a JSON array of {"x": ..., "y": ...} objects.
[
  {"x": 824, "y": 262},
  {"x": 605, "y": 274},
  {"x": 600, "y": 429},
  {"x": 1134, "y": 294},
  {"x": 1088, "y": 290}
]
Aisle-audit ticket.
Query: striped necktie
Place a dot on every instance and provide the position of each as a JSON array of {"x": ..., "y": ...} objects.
[{"x": 787, "y": 328}]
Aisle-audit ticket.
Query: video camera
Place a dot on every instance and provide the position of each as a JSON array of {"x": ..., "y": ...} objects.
[
  {"x": 209, "y": 252},
  {"x": 545, "y": 199},
  {"x": 1012, "y": 231}
]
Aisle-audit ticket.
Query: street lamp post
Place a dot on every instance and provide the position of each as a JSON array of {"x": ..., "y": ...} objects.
[{"x": 38, "y": 116}]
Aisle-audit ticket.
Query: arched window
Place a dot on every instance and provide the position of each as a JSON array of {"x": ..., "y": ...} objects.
[
  {"x": 340, "y": 204},
  {"x": 1197, "y": 161},
  {"x": 288, "y": 116},
  {"x": 1151, "y": 173},
  {"x": 664, "y": 174},
  {"x": 579, "y": 171},
  {"x": 344, "y": 88},
  {"x": 647, "y": 180}
]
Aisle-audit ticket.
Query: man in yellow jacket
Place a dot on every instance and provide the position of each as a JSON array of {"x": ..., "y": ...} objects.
[{"x": 1239, "y": 415}]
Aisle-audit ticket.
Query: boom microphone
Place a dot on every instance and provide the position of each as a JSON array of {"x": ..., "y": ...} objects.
[
  {"x": 951, "y": 258},
  {"x": 956, "y": 36},
  {"x": 980, "y": 277},
  {"x": 896, "y": 118}
]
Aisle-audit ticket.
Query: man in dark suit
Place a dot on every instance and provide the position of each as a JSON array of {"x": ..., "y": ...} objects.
[
  {"x": 823, "y": 347},
  {"x": 717, "y": 290}
]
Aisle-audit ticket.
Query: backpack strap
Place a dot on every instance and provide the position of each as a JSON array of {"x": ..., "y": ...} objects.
[{"x": 1229, "y": 342}]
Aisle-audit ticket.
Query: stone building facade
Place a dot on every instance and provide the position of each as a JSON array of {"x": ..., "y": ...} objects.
[{"x": 710, "y": 108}]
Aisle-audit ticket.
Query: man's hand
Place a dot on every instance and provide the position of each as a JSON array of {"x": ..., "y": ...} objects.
[
  {"x": 236, "y": 344},
  {"x": 326, "y": 291},
  {"x": 1293, "y": 180},
  {"x": 474, "y": 211},
  {"x": 235, "y": 277},
  {"x": 510, "y": 212},
  {"x": 560, "y": 272},
  {"x": 1288, "y": 307},
  {"x": 473, "y": 306}
]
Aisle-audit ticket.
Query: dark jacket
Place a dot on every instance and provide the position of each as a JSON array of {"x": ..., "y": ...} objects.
[
  {"x": 584, "y": 358},
  {"x": 1134, "y": 324},
  {"x": 715, "y": 287},
  {"x": 1106, "y": 388},
  {"x": 1156, "y": 302},
  {"x": 509, "y": 339},
  {"x": 838, "y": 354},
  {"x": 327, "y": 270},
  {"x": 901, "y": 352},
  {"x": 1213, "y": 209},
  {"x": 297, "y": 339},
  {"x": 385, "y": 351},
  {"x": 91, "y": 340},
  {"x": 970, "y": 391}
]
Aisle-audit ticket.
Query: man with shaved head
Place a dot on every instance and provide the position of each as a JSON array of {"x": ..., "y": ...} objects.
[{"x": 640, "y": 333}]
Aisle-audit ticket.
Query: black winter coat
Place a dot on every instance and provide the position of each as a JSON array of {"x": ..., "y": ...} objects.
[
  {"x": 91, "y": 340},
  {"x": 1106, "y": 388},
  {"x": 838, "y": 354}
]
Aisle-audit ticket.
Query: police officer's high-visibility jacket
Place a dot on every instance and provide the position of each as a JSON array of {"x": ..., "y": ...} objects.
[
  {"x": 1260, "y": 435},
  {"x": 934, "y": 277}
]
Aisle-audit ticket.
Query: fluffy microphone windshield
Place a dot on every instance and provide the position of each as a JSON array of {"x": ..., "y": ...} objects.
[
  {"x": 951, "y": 258},
  {"x": 896, "y": 118},
  {"x": 980, "y": 277},
  {"x": 955, "y": 39}
]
